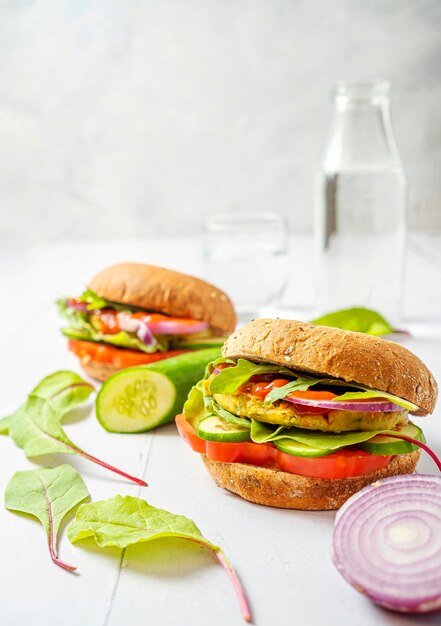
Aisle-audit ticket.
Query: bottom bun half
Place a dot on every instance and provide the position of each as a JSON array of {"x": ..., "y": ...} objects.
[
  {"x": 99, "y": 371},
  {"x": 291, "y": 491}
]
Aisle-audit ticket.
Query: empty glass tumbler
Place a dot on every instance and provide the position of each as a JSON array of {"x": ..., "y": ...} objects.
[
  {"x": 360, "y": 206},
  {"x": 246, "y": 255}
]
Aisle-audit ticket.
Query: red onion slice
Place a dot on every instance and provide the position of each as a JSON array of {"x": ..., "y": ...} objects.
[
  {"x": 138, "y": 326},
  {"x": 387, "y": 542},
  {"x": 375, "y": 405}
]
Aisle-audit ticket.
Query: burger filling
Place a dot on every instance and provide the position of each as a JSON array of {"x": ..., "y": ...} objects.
[
  {"x": 94, "y": 320},
  {"x": 265, "y": 414}
]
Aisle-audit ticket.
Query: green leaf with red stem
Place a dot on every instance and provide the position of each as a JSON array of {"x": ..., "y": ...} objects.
[
  {"x": 49, "y": 495},
  {"x": 64, "y": 389},
  {"x": 37, "y": 430},
  {"x": 122, "y": 521}
]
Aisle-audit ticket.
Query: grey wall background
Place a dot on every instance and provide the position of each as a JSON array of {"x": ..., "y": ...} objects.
[{"x": 133, "y": 117}]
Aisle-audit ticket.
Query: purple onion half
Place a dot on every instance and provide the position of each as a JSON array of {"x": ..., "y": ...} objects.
[{"x": 387, "y": 543}]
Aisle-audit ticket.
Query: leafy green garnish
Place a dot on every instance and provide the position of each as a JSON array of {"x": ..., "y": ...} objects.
[
  {"x": 36, "y": 428},
  {"x": 230, "y": 379},
  {"x": 81, "y": 326},
  {"x": 49, "y": 495},
  {"x": 264, "y": 433},
  {"x": 356, "y": 319},
  {"x": 300, "y": 384},
  {"x": 194, "y": 405},
  {"x": 369, "y": 393},
  {"x": 122, "y": 521},
  {"x": 63, "y": 389},
  {"x": 214, "y": 408}
]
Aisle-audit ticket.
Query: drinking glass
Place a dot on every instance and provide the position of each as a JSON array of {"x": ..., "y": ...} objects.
[{"x": 246, "y": 255}]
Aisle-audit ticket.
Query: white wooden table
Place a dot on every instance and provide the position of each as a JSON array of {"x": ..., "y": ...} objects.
[{"x": 283, "y": 557}]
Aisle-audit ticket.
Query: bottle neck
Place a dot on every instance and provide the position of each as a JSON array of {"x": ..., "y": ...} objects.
[{"x": 362, "y": 137}]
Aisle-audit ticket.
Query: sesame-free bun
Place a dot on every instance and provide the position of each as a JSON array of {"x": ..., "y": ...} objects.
[
  {"x": 166, "y": 291},
  {"x": 331, "y": 352},
  {"x": 291, "y": 491}
]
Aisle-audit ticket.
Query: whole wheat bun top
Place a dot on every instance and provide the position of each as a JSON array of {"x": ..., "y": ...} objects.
[
  {"x": 166, "y": 291},
  {"x": 323, "y": 351}
]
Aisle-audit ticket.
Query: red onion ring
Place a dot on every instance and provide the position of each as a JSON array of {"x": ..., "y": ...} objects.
[
  {"x": 376, "y": 405},
  {"x": 135, "y": 325},
  {"x": 387, "y": 542}
]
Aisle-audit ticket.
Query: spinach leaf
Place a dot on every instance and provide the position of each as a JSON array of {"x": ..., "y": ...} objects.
[
  {"x": 230, "y": 379},
  {"x": 264, "y": 433},
  {"x": 122, "y": 521},
  {"x": 356, "y": 319},
  {"x": 49, "y": 495},
  {"x": 300, "y": 384}
]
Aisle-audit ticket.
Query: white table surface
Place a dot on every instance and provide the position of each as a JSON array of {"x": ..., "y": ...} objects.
[{"x": 283, "y": 557}]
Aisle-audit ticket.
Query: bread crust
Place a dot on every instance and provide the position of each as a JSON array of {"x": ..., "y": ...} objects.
[
  {"x": 166, "y": 291},
  {"x": 324, "y": 351},
  {"x": 99, "y": 371},
  {"x": 291, "y": 491}
]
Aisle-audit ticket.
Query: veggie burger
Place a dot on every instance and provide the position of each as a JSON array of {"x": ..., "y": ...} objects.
[
  {"x": 132, "y": 314},
  {"x": 301, "y": 416}
]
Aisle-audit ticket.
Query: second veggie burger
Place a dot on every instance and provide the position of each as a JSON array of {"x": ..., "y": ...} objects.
[
  {"x": 301, "y": 416},
  {"x": 132, "y": 314}
]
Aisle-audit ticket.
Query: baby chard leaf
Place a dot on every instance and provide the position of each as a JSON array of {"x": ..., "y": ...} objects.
[
  {"x": 37, "y": 430},
  {"x": 49, "y": 495},
  {"x": 122, "y": 521},
  {"x": 63, "y": 389}
]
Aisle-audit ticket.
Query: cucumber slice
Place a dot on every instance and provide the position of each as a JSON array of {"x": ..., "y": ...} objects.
[
  {"x": 296, "y": 448},
  {"x": 382, "y": 444},
  {"x": 212, "y": 428},
  {"x": 141, "y": 398}
]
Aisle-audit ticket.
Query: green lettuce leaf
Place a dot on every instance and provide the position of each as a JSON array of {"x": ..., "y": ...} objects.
[
  {"x": 64, "y": 389},
  {"x": 194, "y": 405},
  {"x": 122, "y": 339},
  {"x": 356, "y": 319},
  {"x": 231, "y": 378},
  {"x": 123, "y": 521},
  {"x": 49, "y": 495}
]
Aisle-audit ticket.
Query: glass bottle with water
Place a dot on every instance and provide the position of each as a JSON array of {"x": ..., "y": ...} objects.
[{"x": 360, "y": 207}]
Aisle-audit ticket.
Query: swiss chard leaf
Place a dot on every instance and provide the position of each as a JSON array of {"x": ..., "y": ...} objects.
[
  {"x": 37, "y": 430},
  {"x": 122, "y": 521},
  {"x": 63, "y": 389},
  {"x": 49, "y": 495},
  {"x": 356, "y": 319},
  {"x": 230, "y": 379}
]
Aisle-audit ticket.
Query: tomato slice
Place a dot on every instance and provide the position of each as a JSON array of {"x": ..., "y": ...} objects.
[
  {"x": 342, "y": 464},
  {"x": 119, "y": 357}
]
